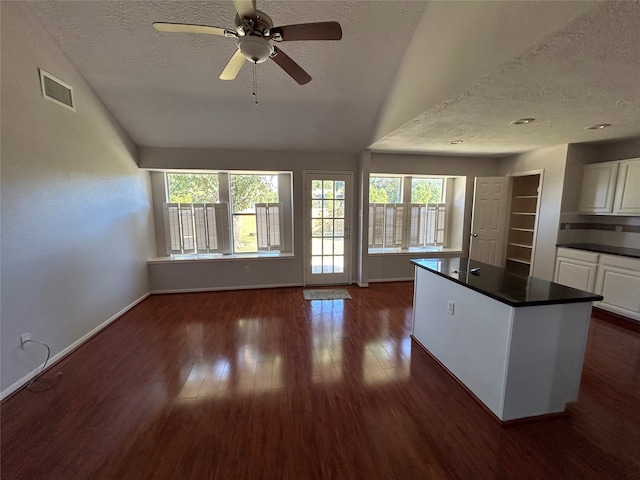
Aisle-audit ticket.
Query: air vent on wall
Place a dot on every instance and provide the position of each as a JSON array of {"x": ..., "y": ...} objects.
[{"x": 56, "y": 90}]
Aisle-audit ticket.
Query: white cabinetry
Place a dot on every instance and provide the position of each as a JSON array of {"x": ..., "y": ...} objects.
[
  {"x": 618, "y": 281},
  {"x": 627, "y": 197},
  {"x": 576, "y": 268},
  {"x": 611, "y": 188},
  {"x": 598, "y": 186},
  {"x": 615, "y": 277}
]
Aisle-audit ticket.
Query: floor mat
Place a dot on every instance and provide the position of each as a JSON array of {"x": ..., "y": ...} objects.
[{"x": 326, "y": 294}]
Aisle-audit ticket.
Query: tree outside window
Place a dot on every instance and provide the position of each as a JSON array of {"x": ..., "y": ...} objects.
[
  {"x": 193, "y": 187},
  {"x": 246, "y": 191},
  {"x": 426, "y": 190},
  {"x": 385, "y": 189}
]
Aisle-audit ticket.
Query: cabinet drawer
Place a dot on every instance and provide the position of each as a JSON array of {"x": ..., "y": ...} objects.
[
  {"x": 582, "y": 255},
  {"x": 626, "y": 263}
]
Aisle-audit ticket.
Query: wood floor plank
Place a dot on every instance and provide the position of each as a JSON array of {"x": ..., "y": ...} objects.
[{"x": 262, "y": 384}]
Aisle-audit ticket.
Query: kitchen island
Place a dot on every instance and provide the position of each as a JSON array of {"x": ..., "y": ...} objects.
[{"x": 516, "y": 343}]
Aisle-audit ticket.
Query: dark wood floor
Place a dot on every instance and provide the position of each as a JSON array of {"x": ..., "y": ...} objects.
[{"x": 262, "y": 384}]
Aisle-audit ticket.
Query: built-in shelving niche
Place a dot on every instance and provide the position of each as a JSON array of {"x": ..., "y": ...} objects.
[{"x": 522, "y": 223}]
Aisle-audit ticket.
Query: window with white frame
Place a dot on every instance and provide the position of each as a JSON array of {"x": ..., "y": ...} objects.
[
  {"x": 407, "y": 213},
  {"x": 228, "y": 212}
]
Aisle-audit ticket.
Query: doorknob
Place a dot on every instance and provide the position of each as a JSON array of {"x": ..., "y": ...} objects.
[{"x": 474, "y": 234}]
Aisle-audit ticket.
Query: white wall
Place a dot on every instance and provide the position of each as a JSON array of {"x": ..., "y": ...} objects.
[
  {"x": 76, "y": 218},
  {"x": 396, "y": 266},
  {"x": 552, "y": 161},
  {"x": 166, "y": 276},
  {"x": 224, "y": 273}
]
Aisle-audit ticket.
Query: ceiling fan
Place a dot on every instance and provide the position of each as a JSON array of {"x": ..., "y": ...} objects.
[{"x": 253, "y": 34}]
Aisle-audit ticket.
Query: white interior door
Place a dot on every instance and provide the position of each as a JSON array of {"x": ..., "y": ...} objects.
[
  {"x": 490, "y": 199},
  {"x": 327, "y": 228}
]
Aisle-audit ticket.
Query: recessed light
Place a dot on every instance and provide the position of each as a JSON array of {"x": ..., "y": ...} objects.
[
  {"x": 523, "y": 121},
  {"x": 600, "y": 126},
  {"x": 455, "y": 142}
]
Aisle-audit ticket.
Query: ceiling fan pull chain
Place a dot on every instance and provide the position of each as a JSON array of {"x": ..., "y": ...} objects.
[{"x": 255, "y": 82}]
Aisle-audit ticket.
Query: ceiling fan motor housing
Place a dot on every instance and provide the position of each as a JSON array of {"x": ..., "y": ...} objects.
[{"x": 255, "y": 49}]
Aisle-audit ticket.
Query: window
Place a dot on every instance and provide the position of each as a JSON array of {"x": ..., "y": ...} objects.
[
  {"x": 228, "y": 212},
  {"x": 407, "y": 213}
]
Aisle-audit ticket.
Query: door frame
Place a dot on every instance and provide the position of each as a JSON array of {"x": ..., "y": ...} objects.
[{"x": 306, "y": 221}]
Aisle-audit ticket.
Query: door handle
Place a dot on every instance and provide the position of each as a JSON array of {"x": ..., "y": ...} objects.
[{"x": 474, "y": 234}]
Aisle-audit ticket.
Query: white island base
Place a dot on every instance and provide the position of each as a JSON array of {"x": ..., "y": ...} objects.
[{"x": 519, "y": 362}]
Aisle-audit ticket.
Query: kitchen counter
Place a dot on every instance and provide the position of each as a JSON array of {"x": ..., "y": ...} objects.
[
  {"x": 516, "y": 343},
  {"x": 501, "y": 285},
  {"x": 608, "y": 249}
]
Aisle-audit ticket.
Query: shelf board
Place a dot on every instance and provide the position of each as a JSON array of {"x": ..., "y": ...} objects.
[
  {"x": 519, "y": 260},
  {"x": 521, "y": 245},
  {"x": 522, "y": 229}
]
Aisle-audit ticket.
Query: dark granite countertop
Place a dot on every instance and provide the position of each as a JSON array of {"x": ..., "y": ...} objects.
[
  {"x": 501, "y": 285},
  {"x": 608, "y": 249}
]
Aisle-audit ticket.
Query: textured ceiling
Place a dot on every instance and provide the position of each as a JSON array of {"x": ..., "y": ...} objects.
[
  {"x": 399, "y": 79},
  {"x": 164, "y": 88},
  {"x": 585, "y": 73}
]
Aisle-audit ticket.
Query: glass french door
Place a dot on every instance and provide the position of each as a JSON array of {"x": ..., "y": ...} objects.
[{"x": 327, "y": 232}]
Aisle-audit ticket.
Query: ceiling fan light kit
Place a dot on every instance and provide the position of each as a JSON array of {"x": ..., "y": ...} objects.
[
  {"x": 255, "y": 49},
  {"x": 253, "y": 33}
]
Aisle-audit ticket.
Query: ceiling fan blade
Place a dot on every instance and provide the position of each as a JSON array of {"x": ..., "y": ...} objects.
[
  {"x": 187, "y": 28},
  {"x": 292, "y": 68},
  {"x": 245, "y": 8},
  {"x": 307, "y": 31},
  {"x": 233, "y": 67}
]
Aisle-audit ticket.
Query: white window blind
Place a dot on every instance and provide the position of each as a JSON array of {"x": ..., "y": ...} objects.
[
  {"x": 197, "y": 227},
  {"x": 268, "y": 226},
  {"x": 376, "y": 225},
  {"x": 404, "y": 225}
]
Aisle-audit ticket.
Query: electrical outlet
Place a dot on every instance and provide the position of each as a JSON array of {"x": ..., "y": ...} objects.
[
  {"x": 450, "y": 306},
  {"x": 24, "y": 338}
]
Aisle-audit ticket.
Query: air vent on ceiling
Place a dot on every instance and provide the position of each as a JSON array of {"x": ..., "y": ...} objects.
[{"x": 56, "y": 90}]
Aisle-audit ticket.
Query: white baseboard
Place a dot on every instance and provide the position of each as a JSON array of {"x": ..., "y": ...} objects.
[
  {"x": 220, "y": 289},
  {"x": 381, "y": 280},
  {"x": 56, "y": 358}
]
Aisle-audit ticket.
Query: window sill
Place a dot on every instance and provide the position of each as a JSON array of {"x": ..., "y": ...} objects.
[
  {"x": 218, "y": 257},
  {"x": 422, "y": 252}
]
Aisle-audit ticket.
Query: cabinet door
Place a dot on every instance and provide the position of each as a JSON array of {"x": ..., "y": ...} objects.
[
  {"x": 575, "y": 274},
  {"x": 618, "y": 281},
  {"x": 598, "y": 185},
  {"x": 627, "y": 197}
]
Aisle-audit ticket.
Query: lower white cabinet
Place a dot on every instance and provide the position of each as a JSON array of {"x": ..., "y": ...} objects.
[
  {"x": 618, "y": 281},
  {"x": 576, "y": 268},
  {"x": 616, "y": 278}
]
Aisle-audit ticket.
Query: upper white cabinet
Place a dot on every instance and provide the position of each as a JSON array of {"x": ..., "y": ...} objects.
[
  {"x": 598, "y": 187},
  {"x": 611, "y": 188},
  {"x": 627, "y": 197}
]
